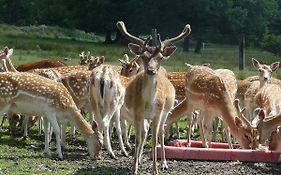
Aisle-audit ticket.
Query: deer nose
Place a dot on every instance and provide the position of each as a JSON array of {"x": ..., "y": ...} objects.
[
  {"x": 265, "y": 78},
  {"x": 151, "y": 71}
]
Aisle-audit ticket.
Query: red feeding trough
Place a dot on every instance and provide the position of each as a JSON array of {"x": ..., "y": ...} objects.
[{"x": 219, "y": 151}]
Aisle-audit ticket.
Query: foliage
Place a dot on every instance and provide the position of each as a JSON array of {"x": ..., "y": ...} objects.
[{"x": 272, "y": 43}]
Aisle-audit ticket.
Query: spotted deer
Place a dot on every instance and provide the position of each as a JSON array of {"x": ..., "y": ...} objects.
[
  {"x": 27, "y": 121},
  {"x": 21, "y": 92},
  {"x": 264, "y": 78},
  {"x": 100, "y": 92},
  {"x": 146, "y": 96},
  {"x": 229, "y": 79},
  {"x": 268, "y": 108},
  {"x": 208, "y": 92}
]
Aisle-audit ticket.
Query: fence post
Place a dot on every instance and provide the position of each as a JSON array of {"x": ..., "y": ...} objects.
[{"x": 242, "y": 53}]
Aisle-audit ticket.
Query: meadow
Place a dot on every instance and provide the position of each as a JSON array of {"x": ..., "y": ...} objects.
[{"x": 34, "y": 43}]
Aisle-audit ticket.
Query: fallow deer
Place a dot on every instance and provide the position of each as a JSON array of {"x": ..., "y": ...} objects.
[
  {"x": 264, "y": 77},
  {"x": 229, "y": 78},
  {"x": 104, "y": 102},
  {"x": 150, "y": 95},
  {"x": 207, "y": 91},
  {"x": 40, "y": 64},
  {"x": 21, "y": 92}
]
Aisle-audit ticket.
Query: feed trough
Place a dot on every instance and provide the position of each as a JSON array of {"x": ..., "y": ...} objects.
[{"x": 219, "y": 151}]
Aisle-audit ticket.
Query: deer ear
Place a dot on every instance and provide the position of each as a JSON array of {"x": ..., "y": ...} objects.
[
  {"x": 255, "y": 63},
  {"x": 274, "y": 66},
  {"x": 168, "y": 51},
  {"x": 135, "y": 49},
  {"x": 10, "y": 53},
  {"x": 102, "y": 59},
  {"x": 94, "y": 126},
  {"x": 238, "y": 122},
  {"x": 261, "y": 114}
]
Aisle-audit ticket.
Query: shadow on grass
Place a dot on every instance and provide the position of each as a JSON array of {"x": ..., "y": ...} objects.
[{"x": 105, "y": 170}]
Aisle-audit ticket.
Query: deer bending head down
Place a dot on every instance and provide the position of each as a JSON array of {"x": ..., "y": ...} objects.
[
  {"x": 150, "y": 95},
  {"x": 208, "y": 92},
  {"x": 21, "y": 92}
]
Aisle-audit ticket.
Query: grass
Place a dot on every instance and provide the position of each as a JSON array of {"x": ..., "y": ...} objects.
[{"x": 33, "y": 43}]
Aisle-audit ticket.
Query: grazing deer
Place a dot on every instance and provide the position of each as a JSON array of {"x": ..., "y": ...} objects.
[
  {"x": 21, "y": 92},
  {"x": 208, "y": 92},
  {"x": 229, "y": 79},
  {"x": 150, "y": 95},
  {"x": 264, "y": 77},
  {"x": 100, "y": 92},
  {"x": 107, "y": 97}
]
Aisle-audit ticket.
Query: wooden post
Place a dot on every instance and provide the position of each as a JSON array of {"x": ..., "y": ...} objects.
[{"x": 242, "y": 53}]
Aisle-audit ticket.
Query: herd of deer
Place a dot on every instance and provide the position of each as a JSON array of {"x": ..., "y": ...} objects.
[{"x": 141, "y": 93}]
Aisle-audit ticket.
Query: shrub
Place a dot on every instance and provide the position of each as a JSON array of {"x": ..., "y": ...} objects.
[{"x": 272, "y": 43}]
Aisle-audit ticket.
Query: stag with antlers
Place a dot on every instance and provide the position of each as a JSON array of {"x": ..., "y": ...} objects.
[{"x": 146, "y": 95}]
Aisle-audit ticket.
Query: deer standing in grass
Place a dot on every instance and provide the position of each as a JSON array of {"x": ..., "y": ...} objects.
[
  {"x": 100, "y": 92},
  {"x": 30, "y": 94},
  {"x": 150, "y": 95}
]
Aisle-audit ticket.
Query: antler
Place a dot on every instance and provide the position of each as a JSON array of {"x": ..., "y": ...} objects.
[
  {"x": 241, "y": 115},
  {"x": 122, "y": 28},
  {"x": 185, "y": 32}
]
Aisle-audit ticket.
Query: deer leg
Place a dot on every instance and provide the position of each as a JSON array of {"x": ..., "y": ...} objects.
[
  {"x": 63, "y": 134},
  {"x": 56, "y": 128},
  {"x": 144, "y": 135},
  {"x": 138, "y": 141},
  {"x": 47, "y": 136},
  {"x": 201, "y": 127},
  {"x": 207, "y": 126},
  {"x": 124, "y": 133},
  {"x": 162, "y": 137},
  {"x": 25, "y": 125},
  {"x": 189, "y": 120},
  {"x": 118, "y": 130},
  {"x": 154, "y": 139}
]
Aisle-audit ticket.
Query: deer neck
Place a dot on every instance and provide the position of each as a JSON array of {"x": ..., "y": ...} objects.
[
  {"x": 180, "y": 110},
  {"x": 82, "y": 125},
  {"x": 228, "y": 112},
  {"x": 10, "y": 66},
  {"x": 272, "y": 123},
  {"x": 150, "y": 83}
]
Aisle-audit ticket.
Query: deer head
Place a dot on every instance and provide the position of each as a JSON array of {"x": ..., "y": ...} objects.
[
  {"x": 265, "y": 70},
  {"x": 4, "y": 57},
  {"x": 152, "y": 57},
  {"x": 129, "y": 67}
]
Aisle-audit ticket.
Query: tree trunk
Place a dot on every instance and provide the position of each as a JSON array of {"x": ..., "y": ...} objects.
[
  {"x": 186, "y": 44},
  {"x": 198, "y": 46},
  {"x": 108, "y": 39}
]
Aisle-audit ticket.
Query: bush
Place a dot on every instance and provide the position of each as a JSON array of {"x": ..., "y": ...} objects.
[{"x": 272, "y": 43}]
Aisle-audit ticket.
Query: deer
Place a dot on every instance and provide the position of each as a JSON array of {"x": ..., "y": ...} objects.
[
  {"x": 264, "y": 78},
  {"x": 208, "y": 92},
  {"x": 40, "y": 64},
  {"x": 182, "y": 109},
  {"x": 146, "y": 96},
  {"x": 21, "y": 92},
  {"x": 8, "y": 66},
  {"x": 101, "y": 93},
  {"x": 268, "y": 107}
]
